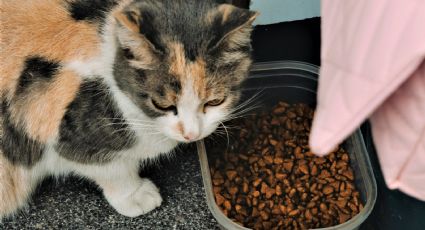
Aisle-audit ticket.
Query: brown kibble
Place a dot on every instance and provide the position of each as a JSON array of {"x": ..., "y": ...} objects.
[
  {"x": 282, "y": 209},
  {"x": 345, "y": 193},
  {"x": 294, "y": 212},
  {"x": 343, "y": 218},
  {"x": 256, "y": 182},
  {"x": 353, "y": 207},
  {"x": 292, "y": 192},
  {"x": 267, "y": 224},
  {"x": 298, "y": 153},
  {"x": 233, "y": 190},
  {"x": 308, "y": 215},
  {"x": 276, "y": 210},
  {"x": 273, "y": 142},
  {"x": 280, "y": 176},
  {"x": 274, "y": 121},
  {"x": 255, "y": 201},
  {"x": 320, "y": 160},
  {"x": 261, "y": 206},
  {"x": 255, "y": 212},
  {"x": 279, "y": 110},
  {"x": 278, "y": 190},
  {"x": 264, "y": 187},
  {"x": 314, "y": 170},
  {"x": 231, "y": 174},
  {"x": 268, "y": 159},
  {"x": 270, "y": 192},
  {"x": 304, "y": 169},
  {"x": 342, "y": 187},
  {"x": 341, "y": 202},
  {"x": 324, "y": 174},
  {"x": 328, "y": 190},
  {"x": 218, "y": 181},
  {"x": 344, "y": 157},
  {"x": 227, "y": 205},
  {"x": 264, "y": 215},
  {"x": 278, "y": 160},
  {"x": 270, "y": 179},
  {"x": 219, "y": 199},
  {"x": 311, "y": 204},
  {"x": 349, "y": 174},
  {"x": 288, "y": 165},
  {"x": 323, "y": 207}
]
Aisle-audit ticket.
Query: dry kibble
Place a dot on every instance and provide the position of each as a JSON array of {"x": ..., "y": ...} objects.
[
  {"x": 271, "y": 180},
  {"x": 219, "y": 199},
  {"x": 264, "y": 215},
  {"x": 294, "y": 212},
  {"x": 304, "y": 169},
  {"x": 328, "y": 190},
  {"x": 231, "y": 174},
  {"x": 256, "y": 194},
  {"x": 227, "y": 205}
]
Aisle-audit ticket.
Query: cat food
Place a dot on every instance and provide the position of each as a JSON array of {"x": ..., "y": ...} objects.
[{"x": 270, "y": 180}]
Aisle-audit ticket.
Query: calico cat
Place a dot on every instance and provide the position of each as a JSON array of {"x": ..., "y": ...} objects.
[{"x": 94, "y": 87}]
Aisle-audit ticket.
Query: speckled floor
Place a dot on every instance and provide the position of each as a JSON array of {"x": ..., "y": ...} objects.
[{"x": 78, "y": 204}]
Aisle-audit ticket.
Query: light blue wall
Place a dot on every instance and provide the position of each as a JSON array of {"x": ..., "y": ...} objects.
[{"x": 274, "y": 11}]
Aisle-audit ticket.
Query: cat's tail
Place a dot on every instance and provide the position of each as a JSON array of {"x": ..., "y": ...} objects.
[{"x": 15, "y": 187}]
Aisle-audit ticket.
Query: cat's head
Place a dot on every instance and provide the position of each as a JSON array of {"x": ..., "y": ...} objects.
[{"x": 182, "y": 62}]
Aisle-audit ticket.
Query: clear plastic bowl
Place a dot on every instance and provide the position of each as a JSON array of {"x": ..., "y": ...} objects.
[{"x": 296, "y": 82}]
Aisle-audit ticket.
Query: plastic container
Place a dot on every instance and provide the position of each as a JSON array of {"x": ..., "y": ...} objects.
[{"x": 296, "y": 82}]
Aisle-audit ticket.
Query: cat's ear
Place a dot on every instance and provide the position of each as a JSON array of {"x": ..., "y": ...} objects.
[
  {"x": 139, "y": 23},
  {"x": 233, "y": 24},
  {"x": 129, "y": 19}
]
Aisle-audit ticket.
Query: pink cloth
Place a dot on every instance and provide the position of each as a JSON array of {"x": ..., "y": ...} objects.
[{"x": 372, "y": 66}]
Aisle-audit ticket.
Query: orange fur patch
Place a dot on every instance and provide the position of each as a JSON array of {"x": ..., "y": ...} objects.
[
  {"x": 178, "y": 60},
  {"x": 15, "y": 187},
  {"x": 125, "y": 21},
  {"x": 198, "y": 73},
  {"x": 183, "y": 69},
  {"x": 42, "y": 111},
  {"x": 43, "y": 28}
]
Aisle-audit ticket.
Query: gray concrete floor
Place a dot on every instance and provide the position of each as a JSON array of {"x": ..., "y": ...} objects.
[{"x": 74, "y": 203}]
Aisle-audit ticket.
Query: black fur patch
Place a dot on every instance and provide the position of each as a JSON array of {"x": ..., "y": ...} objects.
[
  {"x": 36, "y": 69},
  {"x": 90, "y": 10},
  {"x": 149, "y": 30},
  {"x": 93, "y": 128},
  {"x": 16, "y": 146}
]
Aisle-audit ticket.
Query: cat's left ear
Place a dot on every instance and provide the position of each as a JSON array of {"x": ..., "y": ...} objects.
[{"x": 234, "y": 25}]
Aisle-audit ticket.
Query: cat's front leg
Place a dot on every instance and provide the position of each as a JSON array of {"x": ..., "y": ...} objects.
[{"x": 129, "y": 194}]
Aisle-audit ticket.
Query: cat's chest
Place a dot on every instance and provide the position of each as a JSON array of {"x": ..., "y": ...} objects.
[{"x": 149, "y": 145}]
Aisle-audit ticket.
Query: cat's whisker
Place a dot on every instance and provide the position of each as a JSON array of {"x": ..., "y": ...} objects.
[
  {"x": 227, "y": 134},
  {"x": 250, "y": 100}
]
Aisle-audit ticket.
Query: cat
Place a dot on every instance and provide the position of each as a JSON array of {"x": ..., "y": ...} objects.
[{"x": 94, "y": 88}]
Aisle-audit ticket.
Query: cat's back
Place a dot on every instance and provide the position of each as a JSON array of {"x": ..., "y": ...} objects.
[{"x": 55, "y": 30}]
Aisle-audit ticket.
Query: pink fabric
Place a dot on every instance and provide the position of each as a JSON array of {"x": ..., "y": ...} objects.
[{"x": 371, "y": 67}]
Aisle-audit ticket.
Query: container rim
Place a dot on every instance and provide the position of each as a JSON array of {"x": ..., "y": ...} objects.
[{"x": 367, "y": 173}]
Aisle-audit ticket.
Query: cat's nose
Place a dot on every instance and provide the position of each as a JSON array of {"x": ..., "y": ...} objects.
[{"x": 191, "y": 136}]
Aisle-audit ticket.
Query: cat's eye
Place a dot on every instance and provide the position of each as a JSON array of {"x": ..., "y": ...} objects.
[
  {"x": 215, "y": 102},
  {"x": 128, "y": 54},
  {"x": 168, "y": 108}
]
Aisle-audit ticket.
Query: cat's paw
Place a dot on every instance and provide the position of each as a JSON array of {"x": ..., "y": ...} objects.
[{"x": 143, "y": 200}]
